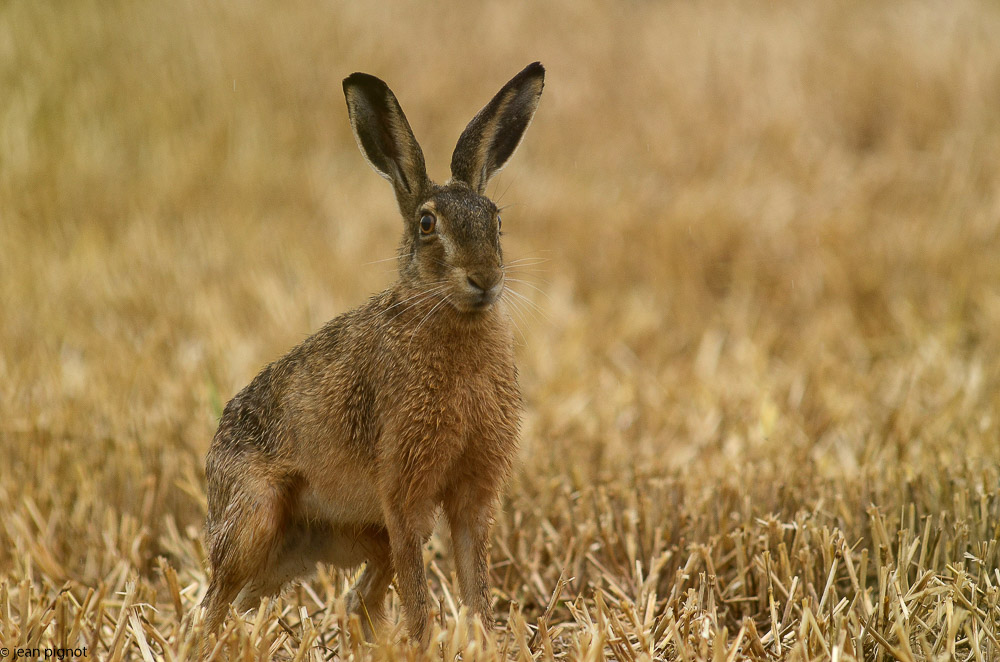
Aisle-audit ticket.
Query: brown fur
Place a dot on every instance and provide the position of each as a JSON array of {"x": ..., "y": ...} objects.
[{"x": 343, "y": 450}]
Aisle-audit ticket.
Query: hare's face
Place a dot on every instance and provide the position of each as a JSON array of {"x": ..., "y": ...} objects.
[{"x": 453, "y": 241}]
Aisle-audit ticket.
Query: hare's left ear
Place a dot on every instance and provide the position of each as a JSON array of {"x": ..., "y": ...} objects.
[{"x": 496, "y": 131}]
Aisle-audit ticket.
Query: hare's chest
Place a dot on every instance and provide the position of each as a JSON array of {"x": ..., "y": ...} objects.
[
  {"x": 461, "y": 401},
  {"x": 487, "y": 407},
  {"x": 451, "y": 420},
  {"x": 456, "y": 389}
]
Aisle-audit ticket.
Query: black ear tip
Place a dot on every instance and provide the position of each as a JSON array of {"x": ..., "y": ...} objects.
[
  {"x": 364, "y": 82},
  {"x": 533, "y": 70},
  {"x": 532, "y": 75}
]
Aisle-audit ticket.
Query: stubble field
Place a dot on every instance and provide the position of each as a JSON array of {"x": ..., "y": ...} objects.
[{"x": 762, "y": 249}]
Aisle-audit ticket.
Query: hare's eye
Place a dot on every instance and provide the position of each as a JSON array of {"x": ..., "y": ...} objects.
[
  {"x": 499, "y": 223},
  {"x": 427, "y": 223}
]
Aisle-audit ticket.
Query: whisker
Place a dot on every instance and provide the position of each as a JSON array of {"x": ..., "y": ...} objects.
[
  {"x": 528, "y": 261},
  {"x": 531, "y": 285},
  {"x": 524, "y": 269},
  {"x": 385, "y": 259},
  {"x": 440, "y": 263},
  {"x": 517, "y": 327},
  {"x": 537, "y": 250},
  {"x": 517, "y": 307},
  {"x": 435, "y": 286},
  {"x": 534, "y": 274},
  {"x": 416, "y": 300},
  {"x": 496, "y": 186},
  {"x": 509, "y": 184},
  {"x": 526, "y": 320},
  {"x": 427, "y": 317},
  {"x": 532, "y": 306},
  {"x": 528, "y": 311}
]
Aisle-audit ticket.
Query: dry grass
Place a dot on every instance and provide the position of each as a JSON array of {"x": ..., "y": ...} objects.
[{"x": 763, "y": 386}]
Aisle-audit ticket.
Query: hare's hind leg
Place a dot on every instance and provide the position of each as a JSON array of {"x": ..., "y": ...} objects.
[
  {"x": 301, "y": 545},
  {"x": 306, "y": 542},
  {"x": 244, "y": 543}
]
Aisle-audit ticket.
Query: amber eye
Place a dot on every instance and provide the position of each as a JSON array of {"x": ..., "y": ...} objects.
[{"x": 427, "y": 222}]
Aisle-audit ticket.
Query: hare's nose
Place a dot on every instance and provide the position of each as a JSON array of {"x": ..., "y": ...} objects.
[{"x": 482, "y": 282}]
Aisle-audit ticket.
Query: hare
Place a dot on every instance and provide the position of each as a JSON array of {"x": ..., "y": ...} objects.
[{"x": 342, "y": 450}]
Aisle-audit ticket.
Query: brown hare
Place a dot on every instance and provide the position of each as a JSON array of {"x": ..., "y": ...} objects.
[{"x": 342, "y": 450}]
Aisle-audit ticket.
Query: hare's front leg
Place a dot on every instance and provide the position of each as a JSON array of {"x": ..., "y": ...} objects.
[
  {"x": 470, "y": 509},
  {"x": 411, "y": 485},
  {"x": 409, "y": 522},
  {"x": 367, "y": 597}
]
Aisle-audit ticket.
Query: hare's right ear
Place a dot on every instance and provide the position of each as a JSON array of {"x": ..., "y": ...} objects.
[
  {"x": 496, "y": 131},
  {"x": 385, "y": 138}
]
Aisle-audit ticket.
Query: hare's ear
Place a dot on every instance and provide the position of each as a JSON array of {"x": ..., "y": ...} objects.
[
  {"x": 496, "y": 131},
  {"x": 384, "y": 136}
]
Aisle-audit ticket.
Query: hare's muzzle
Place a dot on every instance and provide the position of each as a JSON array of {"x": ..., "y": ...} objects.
[{"x": 482, "y": 289}]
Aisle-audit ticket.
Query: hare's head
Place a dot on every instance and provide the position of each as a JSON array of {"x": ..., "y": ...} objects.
[{"x": 451, "y": 232}]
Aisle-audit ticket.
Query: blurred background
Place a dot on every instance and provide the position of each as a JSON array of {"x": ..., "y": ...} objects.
[{"x": 762, "y": 244}]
